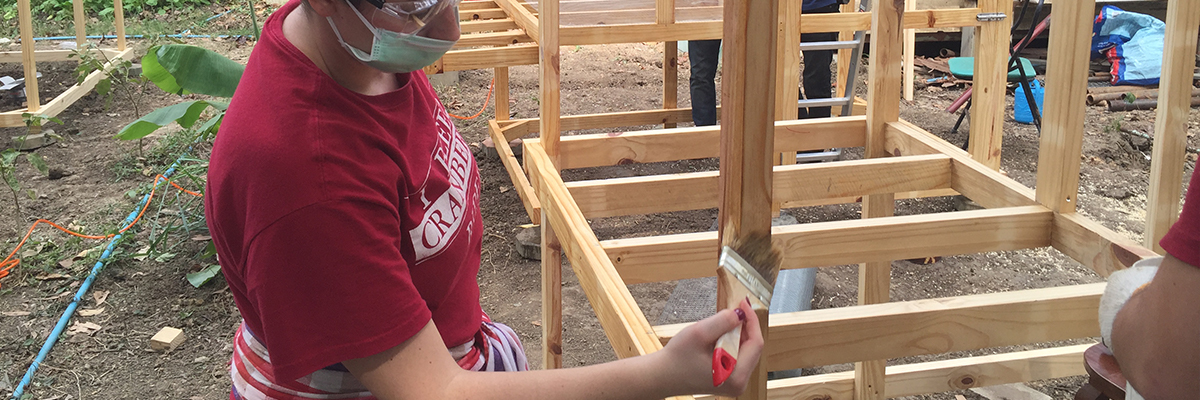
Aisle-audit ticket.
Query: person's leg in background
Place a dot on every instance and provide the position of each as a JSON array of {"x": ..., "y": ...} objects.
[
  {"x": 817, "y": 80},
  {"x": 703, "y": 55}
]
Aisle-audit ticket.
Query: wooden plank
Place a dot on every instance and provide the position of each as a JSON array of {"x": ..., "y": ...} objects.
[
  {"x": 481, "y": 13},
  {"x": 747, "y": 146},
  {"x": 49, "y": 55},
  {"x": 551, "y": 297},
  {"x": 684, "y": 256},
  {"x": 933, "y": 326},
  {"x": 502, "y": 91},
  {"x": 1094, "y": 245},
  {"x": 508, "y": 56},
  {"x": 991, "y": 72},
  {"x": 498, "y": 38},
  {"x": 476, "y": 5},
  {"x": 787, "y": 65},
  {"x": 701, "y": 30},
  {"x": 1171, "y": 126},
  {"x": 64, "y": 100},
  {"x": 910, "y": 47},
  {"x": 984, "y": 185},
  {"x": 80, "y": 23},
  {"x": 604, "y": 120},
  {"x": 582, "y": 151},
  {"x": 665, "y": 15},
  {"x": 941, "y": 376},
  {"x": 638, "y": 16},
  {"x": 523, "y": 17},
  {"x": 807, "y": 182},
  {"x": 626, "y": 327},
  {"x": 918, "y": 194},
  {"x": 487, "y": 25},
  {"x": 1062, "y": 125},
  {"x": 119, "y": 24},
  {"x": 515, "y": 174},
  {"x": 25, "y": 17},
  {"x": 549, "y": 75},
  {"x": 883, "y": 106}
]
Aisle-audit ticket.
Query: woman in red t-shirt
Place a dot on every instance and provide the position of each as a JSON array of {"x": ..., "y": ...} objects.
[{"x": 345, "y": 209}]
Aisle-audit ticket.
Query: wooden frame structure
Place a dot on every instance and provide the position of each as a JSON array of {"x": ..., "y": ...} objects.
[
  {"x": 29, "y": 57},
  {"x": 903, "y": 161}
]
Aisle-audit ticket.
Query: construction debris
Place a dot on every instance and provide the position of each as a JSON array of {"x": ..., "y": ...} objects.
[{"x": 167, "y": 339}]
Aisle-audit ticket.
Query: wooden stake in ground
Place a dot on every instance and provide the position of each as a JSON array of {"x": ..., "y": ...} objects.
[{"x": 747, "y": 137}]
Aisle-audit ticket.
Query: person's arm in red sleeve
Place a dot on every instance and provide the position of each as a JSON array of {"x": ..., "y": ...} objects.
[
  {"x": 1156, "y": 335},
  {"x": 420, "y": 368}
]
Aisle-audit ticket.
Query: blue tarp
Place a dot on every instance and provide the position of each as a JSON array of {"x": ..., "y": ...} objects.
[{"x": 1132, "y": 42}]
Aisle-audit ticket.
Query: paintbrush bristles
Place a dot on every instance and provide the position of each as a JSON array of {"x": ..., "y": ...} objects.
[{"x": 757, "y": 250}]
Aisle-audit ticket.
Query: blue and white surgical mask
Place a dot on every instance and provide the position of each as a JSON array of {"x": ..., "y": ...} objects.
[{"x": 396, "y": 52}]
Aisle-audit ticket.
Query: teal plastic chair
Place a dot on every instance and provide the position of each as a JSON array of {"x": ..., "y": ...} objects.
[{"x": 964, "y": 68}]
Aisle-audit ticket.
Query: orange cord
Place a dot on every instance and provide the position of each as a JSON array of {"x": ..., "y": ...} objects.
[
  {"x": 491, "y": 86},
  {"x": 10, "y": 263}
]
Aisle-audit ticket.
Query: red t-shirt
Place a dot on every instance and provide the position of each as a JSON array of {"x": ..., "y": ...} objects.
[
  {"x": 344, "y": 222},
  {"x": 1183, "y": 240}
]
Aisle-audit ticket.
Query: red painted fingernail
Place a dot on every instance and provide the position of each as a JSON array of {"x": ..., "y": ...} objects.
[
  {"x": 741, "y": 314},
  {"x": 747, "y": 300}
]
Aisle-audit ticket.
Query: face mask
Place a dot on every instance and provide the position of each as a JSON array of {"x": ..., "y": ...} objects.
[{"x": 395, "y": 52}]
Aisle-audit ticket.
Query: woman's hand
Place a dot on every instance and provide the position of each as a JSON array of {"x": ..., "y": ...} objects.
[{"x": 689, "y": 354}]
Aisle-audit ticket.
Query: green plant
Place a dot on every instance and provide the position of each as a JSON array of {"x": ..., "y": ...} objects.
[
  {"x": 1115, "y": 125},
  {"x": 9, "y": 157}
]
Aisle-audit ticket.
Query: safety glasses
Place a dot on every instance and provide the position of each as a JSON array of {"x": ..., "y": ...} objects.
[{"x": 409, "y": 16}]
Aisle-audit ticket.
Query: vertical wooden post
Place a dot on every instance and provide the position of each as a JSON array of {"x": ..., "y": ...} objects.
[
  {"x": 747, "y": 137},
  {"x": 25, "y": 15},
  {"x": 883, "y": 106},
  {"x": 988, "y": 105},
  {"x": 1062, "y": 123},
  {"x": 119, "y": 23},
  {"x": 910, "y": 48},
  {"x": 844, "y": 63},
  {"x": 787, "y": 67},
  {"x": 1170, "y": 128},
  {"x": 501, "y": 88},
  {"x": 549, "y": 76},
  {"x": 966, "y": 47},
  {"x": 551, "y": 297},
  {"x": 665, "y": 15},
  {"x": 80, "y": 24}
]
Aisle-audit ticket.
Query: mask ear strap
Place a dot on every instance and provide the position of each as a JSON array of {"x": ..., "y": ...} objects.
[{"x": 370, "y": 26}]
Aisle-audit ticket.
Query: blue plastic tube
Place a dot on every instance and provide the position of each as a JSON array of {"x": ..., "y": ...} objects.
[{"x": 83, "y": 289}]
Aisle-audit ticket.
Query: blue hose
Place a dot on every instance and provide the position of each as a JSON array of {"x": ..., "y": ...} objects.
[{"x": 87, "y": 284}]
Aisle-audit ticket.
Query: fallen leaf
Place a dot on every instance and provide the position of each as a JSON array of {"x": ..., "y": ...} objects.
[
  {"x": 33, "y": 251},
  {"x": 83, "y": 327},
  {"x": 66, "y": 263},
  {"x": 201, "y": 238},
  {"x": 14, "y": 313},
  {"x": 100, "y": 296},
  {"x": 142, "y": 253},
  {"x": 504, "y": 189},
  {"x": 75, "y": 227},
  {"x": 90, "y": 312},
  {"x": 47, "y": 277},
  {"x": 537, "y": 323},
  {"x": 57, "y": 296}
]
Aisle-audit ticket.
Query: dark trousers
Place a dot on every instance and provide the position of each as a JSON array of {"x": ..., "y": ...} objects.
[
  {"x": 703, "y": 55},
  {"x": 817, "y": 74}
]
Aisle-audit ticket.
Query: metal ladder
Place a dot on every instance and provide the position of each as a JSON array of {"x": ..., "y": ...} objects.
[{"x": 847, "y": 101}]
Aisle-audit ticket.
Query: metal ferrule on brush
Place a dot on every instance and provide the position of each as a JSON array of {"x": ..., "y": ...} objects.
[{"x": 751, "y": 279}]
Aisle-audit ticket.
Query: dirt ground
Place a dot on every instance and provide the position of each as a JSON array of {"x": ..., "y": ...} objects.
[{"x": 143, "y": 296}]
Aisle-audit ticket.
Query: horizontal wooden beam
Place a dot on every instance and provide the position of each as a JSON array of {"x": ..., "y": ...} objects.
[
  {"x": 520, "y": 127},
  {"x": 485, "y": 58},
  {"x": 1094, "y": 245},
  {"x": 940, "y": 376},
  {"x": 803, "y": 182},
  {"x": 476, "y": 5},
  {"x": 51, "y": 55},
  {"x": 499, "y": 38},
  {"x": 934, "y": 326},
  {"x": 623, "y": 321},
  {"x": 583, "y": 151},
  {"x": 520, "y": 182},
  {"x": 691, "y": 255},
  {"x": 481, "y": 13},
  {"x": 979, "y": 183},
  {"x": 919, "y": 194},
  {"x": 711, "y": 29}
]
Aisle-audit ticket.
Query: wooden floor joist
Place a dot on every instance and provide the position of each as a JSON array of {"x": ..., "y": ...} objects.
[
  {"x": 940, "y": 376},
  {"x": 684, "y": 256},
  {"x": 64, "y": 100},
  {"x": 933, "y": 326},
  {"x": 806, "y": 182},
  {"x": 583, "y": 151}
]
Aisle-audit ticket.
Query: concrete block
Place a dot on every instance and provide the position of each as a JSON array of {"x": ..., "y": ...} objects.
[
  {"x": 529, "y": 243},
  {"x": 30, "y": 142},
  {"x": 444, "y": 79}
]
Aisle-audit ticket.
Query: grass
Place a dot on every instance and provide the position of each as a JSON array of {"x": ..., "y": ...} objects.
[{"x": 194, "y": 21}]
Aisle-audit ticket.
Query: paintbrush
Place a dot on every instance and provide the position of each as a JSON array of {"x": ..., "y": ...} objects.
[{"x": 753, "y": 263}]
